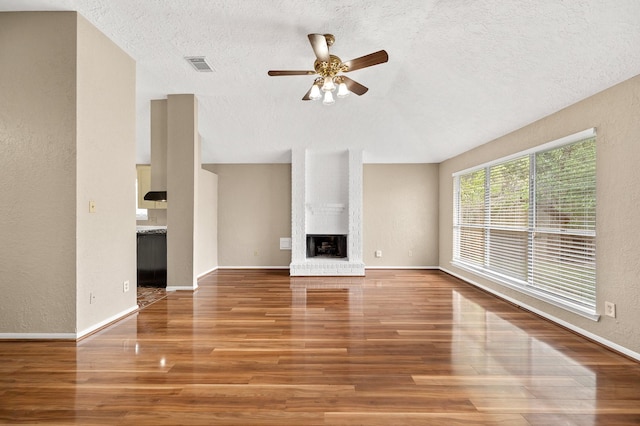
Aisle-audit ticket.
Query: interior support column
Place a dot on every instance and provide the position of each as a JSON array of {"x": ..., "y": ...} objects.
[
  {"x": 183, "y": 164},
  {"x": 159, "y": 145}
]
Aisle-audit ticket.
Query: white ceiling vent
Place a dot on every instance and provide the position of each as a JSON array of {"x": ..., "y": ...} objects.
[{"x": 199, "y": 63}]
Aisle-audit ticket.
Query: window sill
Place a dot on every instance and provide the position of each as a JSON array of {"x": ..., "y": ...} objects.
[{"x": 545, "y": 297}]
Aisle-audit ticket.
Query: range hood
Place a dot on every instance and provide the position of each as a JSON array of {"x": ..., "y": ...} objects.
[{"x": 156, "y": 196}]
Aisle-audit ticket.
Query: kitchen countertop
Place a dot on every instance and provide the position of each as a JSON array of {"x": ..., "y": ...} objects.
[{"x": 141, "y": 229}]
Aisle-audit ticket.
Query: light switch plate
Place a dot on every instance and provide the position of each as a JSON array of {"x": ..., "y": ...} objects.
[{"x": 610, "y": 309}]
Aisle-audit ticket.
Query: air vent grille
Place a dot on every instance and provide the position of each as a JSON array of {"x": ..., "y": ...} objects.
[{"x": 199, "y": 63}]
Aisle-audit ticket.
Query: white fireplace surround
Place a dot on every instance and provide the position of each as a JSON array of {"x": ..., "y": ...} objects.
[{"x": 326, "y": 197}]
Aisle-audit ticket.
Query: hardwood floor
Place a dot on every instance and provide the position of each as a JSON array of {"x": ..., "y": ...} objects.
[{"x": 259, "y": 347}]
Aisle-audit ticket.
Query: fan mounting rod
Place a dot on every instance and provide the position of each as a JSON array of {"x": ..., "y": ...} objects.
[
  {"x": 332, "y": 67},
  {"x": 330, "y": 39}
]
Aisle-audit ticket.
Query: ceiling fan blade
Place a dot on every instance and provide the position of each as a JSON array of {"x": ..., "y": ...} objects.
[
  {"x": 369, "y": 60},
  {"x": 279, "y": 73},
  {"x": 354, "y": 86},
  {"x": 320, "y": 47},
  {"x": 306, "y": 96}
]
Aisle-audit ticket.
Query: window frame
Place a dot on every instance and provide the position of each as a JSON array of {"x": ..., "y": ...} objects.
[{"x": 502, "y": 279}]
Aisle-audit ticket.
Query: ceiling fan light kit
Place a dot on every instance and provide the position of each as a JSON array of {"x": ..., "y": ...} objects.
[
  {"x": 343, "y": 91},
  {"x": 329, "y": 68},
  {"x": 315, "y": 93}
]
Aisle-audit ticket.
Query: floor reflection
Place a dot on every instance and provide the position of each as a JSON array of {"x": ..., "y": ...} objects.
[
  {"x": 502, "y": 354},
  {"x": 506, "y": 348},
  {"x": 301, "y": 286}
]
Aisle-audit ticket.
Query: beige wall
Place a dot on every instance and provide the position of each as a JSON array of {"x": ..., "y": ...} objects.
[
  {"x": 401, "y": 215},
  {"x": 207, "y": 226},
  {"x": 156, "y": 210},
  {"x": 254, "y": 212},
  {"x": 37, "y": 173},
  {"x": 159, "y": 146},
  {"x": 615, "y": 113},
  {"x": 106, "y": 133},
  {"x": 67, "y": 128},
  {"x": 183, "y": 167}
]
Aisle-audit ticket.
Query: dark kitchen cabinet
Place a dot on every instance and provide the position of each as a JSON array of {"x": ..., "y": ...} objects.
[{"x": 152, "y": 259}]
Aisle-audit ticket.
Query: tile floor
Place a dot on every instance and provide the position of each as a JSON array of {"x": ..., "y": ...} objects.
[{"x": 149, "y": 295}]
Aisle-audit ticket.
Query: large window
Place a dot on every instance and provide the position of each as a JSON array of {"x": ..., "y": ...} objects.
[{"x": 529, "y": 221}]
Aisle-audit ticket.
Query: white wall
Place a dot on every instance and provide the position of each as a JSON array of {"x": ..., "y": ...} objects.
[
  {"x": 327, "y": 192},
  {"x": 615, "y": 113}
]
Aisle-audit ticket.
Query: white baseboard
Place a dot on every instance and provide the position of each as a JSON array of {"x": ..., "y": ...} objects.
[
  {"x": 181, "y": 288},
  {"x": 207, "y": 272},
  {"x": 37, "y": 336},
  {"x": 287, "y": 267},
  {"x": 68, "y": 336},
  {"x": 106, "y": 321},
  {"x": 253, "y": 267},
  {"x": 599, "y": 339},
  {"x": 401, "y": 267}
]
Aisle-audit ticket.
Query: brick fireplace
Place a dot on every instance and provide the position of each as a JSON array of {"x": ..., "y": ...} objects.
[{"x": 326, "y": 234}]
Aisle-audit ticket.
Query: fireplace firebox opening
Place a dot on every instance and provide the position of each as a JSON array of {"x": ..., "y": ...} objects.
[{"x": 328, "y": 246}]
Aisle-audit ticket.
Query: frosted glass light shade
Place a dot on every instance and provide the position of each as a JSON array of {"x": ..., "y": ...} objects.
[
  {"x": 328, "y": 98},
  {"x": 328, "y": 85},
  {"x": 342, "y": 90},
  {"x": 315, "y": 93}
]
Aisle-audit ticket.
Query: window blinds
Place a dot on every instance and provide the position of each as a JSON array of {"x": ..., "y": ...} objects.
[
  {"x": 563, "y": 255},
  {"x": 531, "y": 221}
]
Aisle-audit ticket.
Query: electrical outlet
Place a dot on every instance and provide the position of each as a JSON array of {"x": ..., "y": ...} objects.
[
  {"x": 92, "y": 298},
  {"x": 92, "y": 206},
  {"x": 378, "y": 253},
  {"x": 610, "y": 309},
  {"x": 125, "y": 286}
]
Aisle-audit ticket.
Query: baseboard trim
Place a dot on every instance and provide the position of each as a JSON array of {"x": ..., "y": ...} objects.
[
  {"x": 181, "y": 288},
  {"x": 253, "y": 267},
  {"x": 69, "y": 336},
  {"x": 208, "y": 272},
  {"x": 107, "y": 322},
  {"x": 37, "y": 336},
  {"x": 287, "y": 267},
  {"x": 402, "y": 267},
  {"x": 587, "y": 334}
]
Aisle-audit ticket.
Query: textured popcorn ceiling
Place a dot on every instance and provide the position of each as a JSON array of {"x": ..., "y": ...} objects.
[{"x": 460, "y": 72}]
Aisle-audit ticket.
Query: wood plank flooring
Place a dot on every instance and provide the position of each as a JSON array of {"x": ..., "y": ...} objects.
[{"x": 261, "y": 348}]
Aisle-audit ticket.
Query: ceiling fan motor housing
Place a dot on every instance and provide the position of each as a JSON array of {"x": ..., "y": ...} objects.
[{"x": 331, "y": 68}]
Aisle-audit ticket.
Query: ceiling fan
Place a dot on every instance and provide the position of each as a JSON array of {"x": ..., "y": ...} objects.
[{"x": 329, "y": 68}]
